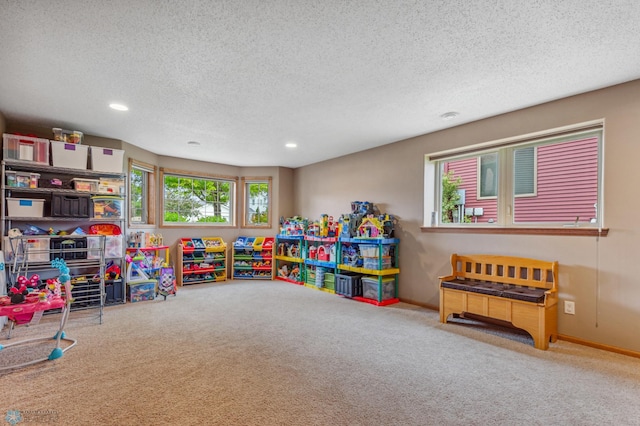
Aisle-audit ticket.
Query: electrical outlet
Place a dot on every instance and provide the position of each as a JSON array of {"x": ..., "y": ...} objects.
[{"x": 569, "y": 307}]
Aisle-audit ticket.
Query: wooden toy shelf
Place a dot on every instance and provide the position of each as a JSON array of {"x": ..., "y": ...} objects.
[
  {"x": 201, "y": 260},
  {"x": 253, "y": 258}
]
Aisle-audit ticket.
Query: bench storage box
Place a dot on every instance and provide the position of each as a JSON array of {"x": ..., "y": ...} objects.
[{"x": 515, "y": 290}]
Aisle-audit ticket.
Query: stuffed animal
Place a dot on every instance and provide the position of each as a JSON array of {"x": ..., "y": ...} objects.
[{"x": 18, "y": 294}]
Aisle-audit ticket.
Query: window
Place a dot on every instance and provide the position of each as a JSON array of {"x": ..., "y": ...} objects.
[
  {"x": 549, "y": 180},
  {"x": 257, "y": 200},
  {"x": 525, "y": 171},
  {"x": 142, "y": 178},
  {"x": 190, "y": 200},
  {"x": 488, "y": 176}
]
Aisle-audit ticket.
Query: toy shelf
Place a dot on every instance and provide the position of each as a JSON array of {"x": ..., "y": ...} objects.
[
  {"x": 253, "y": 258},
  {"x": 288, "y": 258},
  {"x": 320, "y": 262},
  {"x": 375, "y": 262},
  {"x": 201, "y": 261},
  {"x": 363, "y": 269}
]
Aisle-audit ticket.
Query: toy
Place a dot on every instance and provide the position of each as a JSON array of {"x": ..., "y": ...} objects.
[
  {"x": 370, "y": 227},
  {"x": 112, "y": 271},
  {"x": 167, "y": 283},
  {"x": 324, "y": 225},
  {"x": 293, "y": 226},
  {"x": 332, "y": 227},
  {"x": 18, "y": 294}
]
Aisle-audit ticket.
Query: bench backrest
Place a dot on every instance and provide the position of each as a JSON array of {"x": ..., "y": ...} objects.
[{"x": 506, "y": 269}]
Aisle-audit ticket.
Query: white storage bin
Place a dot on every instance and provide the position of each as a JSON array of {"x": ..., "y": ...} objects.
[
  {"x": 37, "y": 249},
  {"x": 69, "y": 155},
  {"x": 25, "y": 207},
  {"x": 85, "y": 185},
  {"x": 106, "y": 159},
  {"x": 111, "y": 186},
  {"x": 112, "y": 246},
  {"x": 25, "y": 148}
]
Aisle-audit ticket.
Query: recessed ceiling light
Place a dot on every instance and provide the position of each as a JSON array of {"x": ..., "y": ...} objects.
[
  {"x": 119, "y": 107},
  {"x": 291, "y": 145},
  {"x": 193, "y": 143},
  {"x": 449, "y": 115}
]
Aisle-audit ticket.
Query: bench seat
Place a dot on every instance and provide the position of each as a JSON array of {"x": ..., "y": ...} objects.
[{"x": 510, "y": 291}]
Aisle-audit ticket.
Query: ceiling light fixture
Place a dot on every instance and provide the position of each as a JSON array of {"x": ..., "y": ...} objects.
[
  {"x": 193, "y": 143},
  {"x": 119, "y": 107},
  {"x": 291, "y": 145},
  {"x": 449, "y": 115}
]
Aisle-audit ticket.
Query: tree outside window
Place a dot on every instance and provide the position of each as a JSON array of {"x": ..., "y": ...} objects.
[
  {"x": 141, "y": 193},
  {"x": 197, "y": 200},
  {"x": 257, "y": 200}
]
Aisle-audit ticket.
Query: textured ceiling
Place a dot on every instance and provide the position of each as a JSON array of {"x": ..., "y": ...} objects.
[{"x": 335, "y": 76}]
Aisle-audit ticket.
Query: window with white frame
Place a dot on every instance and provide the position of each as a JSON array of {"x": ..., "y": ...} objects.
[
  {"x": 191, "y": 200},
  {"x": 553, "y": 179}
]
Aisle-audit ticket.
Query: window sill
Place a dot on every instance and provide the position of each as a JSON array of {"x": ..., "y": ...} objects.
[{"x": 572, "y": 231}]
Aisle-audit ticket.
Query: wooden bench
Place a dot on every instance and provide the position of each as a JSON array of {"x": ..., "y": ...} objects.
[{"x": 520, "y": 291}]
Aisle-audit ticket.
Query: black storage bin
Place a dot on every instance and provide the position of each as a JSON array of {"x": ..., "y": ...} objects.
[
  {"x": 114, "y": 290},
  {"x": 64, "y": 248},
  {"x": 64, "y": 205},
  {"x": 348, "y": 284}
]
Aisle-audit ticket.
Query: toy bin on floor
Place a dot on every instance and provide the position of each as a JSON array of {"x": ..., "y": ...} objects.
[
  {"x": 348, "y": 284},
  {"x": 139, "y": 291},
  {"x": 69, "y": 155},
  {"x": 378, "y": 288},
  {"x": 113, "y": 291}
]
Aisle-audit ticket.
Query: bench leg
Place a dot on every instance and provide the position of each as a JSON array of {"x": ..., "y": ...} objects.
[{"x": 541, "y": 340}]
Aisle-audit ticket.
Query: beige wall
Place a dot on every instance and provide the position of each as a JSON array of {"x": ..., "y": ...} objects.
[{"x": 598, "y": 274}]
